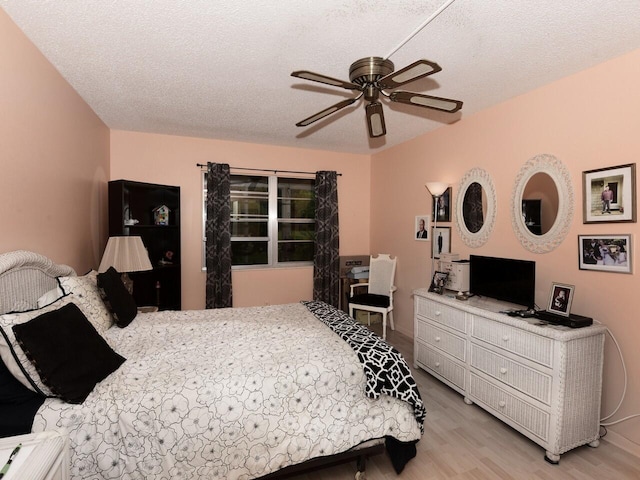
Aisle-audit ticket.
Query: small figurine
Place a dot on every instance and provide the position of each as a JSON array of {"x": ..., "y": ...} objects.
[
  {"x": 161, "y": 215},
  {"x": 167, "y": 259}
]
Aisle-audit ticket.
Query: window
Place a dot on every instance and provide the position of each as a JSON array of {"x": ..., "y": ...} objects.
[{"x": 272, "y": 220}]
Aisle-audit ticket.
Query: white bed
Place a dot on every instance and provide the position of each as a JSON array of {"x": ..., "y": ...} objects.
[{"x": 223, "y": 394}]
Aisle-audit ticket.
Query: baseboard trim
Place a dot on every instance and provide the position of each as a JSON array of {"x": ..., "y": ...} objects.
[{"x": 622, "y": 442}]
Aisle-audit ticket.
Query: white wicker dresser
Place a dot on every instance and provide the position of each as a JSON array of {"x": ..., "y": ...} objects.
[{"x": 545, "y": 381}]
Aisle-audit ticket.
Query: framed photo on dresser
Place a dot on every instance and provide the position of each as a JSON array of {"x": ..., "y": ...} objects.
[{"x": 560, "y": 299}]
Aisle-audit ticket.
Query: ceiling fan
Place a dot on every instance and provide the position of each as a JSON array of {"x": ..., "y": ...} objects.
[{"x": 371, "y": 76}]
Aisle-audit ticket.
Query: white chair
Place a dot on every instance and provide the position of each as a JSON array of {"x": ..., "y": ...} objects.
[{"x": 380, "y": 288}]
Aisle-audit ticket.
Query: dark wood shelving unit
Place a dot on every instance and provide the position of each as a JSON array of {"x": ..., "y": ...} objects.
[{"x": 131, "y": 212}]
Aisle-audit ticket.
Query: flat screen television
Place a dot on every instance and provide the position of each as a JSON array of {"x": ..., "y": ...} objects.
[{"x": 505, "y": 279}]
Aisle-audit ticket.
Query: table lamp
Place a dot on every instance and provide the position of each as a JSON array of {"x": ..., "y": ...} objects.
[{"x": 125, "y": 254}]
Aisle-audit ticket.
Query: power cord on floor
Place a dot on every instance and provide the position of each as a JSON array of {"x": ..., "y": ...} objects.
[{"x": 624, "y": 390}]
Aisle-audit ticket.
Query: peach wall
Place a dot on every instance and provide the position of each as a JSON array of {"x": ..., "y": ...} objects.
[
  {"x": 588, "y": 121},
  {"x": 172, "y": 160},
  {"x": 54, "y": 154}
]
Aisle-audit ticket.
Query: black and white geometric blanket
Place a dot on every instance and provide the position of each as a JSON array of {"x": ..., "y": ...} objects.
[{"x": 385, "y": 368}]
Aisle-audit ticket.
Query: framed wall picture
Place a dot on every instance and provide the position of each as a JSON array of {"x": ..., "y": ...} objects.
[
  {"x": 609, "y": 194},
  {"x": 605, "y": 253},
  {"x": 441, "y": 241},
  {"x": 443, "y": 208},
  {"x": 421, "y": 228},
  {"x": 560, "y": 299}
]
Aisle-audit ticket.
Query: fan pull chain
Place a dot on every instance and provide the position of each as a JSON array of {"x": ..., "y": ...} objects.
[{"x": 424, "y": 24}]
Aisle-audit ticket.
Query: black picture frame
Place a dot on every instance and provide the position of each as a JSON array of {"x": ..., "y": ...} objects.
[
  {"x": 444, "y": 210},
  {"x": 438, "y": 282}
]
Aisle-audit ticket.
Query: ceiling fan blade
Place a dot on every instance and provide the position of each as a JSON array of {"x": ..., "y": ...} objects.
[
  {"x": 412, "y": 72},
  {"x": 375, "y": 120},
  {"x": 316, "y": 77},
  {"x": 325, "y": 112},
  {"x": 428, "y": 101}
]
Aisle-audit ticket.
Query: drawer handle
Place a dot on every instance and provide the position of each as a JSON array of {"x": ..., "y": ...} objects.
[
  {"x": 503, "y": 370},
  {"x": 438, "y": 313},
  {"x": 437, "y": 339},
  {"x": 505, "y": 338},
  {"x": 502, "y": 404},
  {"x": 437, "y": 364}
]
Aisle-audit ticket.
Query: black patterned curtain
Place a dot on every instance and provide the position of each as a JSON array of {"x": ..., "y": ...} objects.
[
  {"x": 218, "y": 232},
  {"x": 472, "y": 208},
  {"x": 326, "y": 260}
]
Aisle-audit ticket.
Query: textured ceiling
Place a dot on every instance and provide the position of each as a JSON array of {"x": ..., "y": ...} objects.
[{"x": 221, "y": 69}]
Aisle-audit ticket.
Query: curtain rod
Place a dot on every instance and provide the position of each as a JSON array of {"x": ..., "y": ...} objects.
[{"x": 202, "y": 165}]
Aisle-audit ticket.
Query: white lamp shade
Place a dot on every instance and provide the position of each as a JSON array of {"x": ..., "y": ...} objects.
[
  {"x": 125, "y": 254},
  {"x": 436, "y": 189}
]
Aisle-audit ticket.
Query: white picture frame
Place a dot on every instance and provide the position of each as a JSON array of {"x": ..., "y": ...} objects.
[
  {"x": 560, "y": 298},
  {"x": 441, "y": 241},
  {"x": 421, "y": 228}
]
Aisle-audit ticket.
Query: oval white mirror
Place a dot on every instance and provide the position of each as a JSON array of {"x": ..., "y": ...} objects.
[
  {"x": 542, "y": 203},
  {"x": 475, "y": 207}
]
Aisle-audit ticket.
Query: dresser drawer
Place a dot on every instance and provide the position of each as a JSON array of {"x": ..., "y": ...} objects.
[
  {"x": 442, "y": 340},
  {"x": 514, "y": 374},
  {"x": 526, "y": 344},
  {"x": 525, "y": 415},
  {"x": 442, "y": 314},
  {"x": 440, "y": 364}
]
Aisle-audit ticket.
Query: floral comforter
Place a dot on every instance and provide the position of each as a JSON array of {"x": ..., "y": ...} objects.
[{"x": 224, "y": 394}]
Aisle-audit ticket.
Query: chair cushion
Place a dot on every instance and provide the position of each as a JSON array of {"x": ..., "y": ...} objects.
[{"x": 371, "y": 300}]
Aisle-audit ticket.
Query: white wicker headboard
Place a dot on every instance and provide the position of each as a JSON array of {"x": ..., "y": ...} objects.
[{"x": 25, "y": 277}]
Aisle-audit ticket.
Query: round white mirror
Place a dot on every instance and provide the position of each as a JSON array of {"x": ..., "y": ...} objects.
[
  {"x": 475, "y": 207},
  {"x": 542, "y": 203}
]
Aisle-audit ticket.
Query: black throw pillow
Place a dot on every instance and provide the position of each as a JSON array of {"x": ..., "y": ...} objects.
[
  {"x": 120, "y": 302},
  {"x": 70, "y": 355},
  {"x": 18, "y": 405}
]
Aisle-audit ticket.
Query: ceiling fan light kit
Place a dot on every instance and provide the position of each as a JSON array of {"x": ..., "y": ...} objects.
[
  {"x": 375, "y": 120},
  {"x": 371, "y": 76}
]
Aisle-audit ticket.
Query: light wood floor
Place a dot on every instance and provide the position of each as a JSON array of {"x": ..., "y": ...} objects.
[{"x": 464, "y": 442}]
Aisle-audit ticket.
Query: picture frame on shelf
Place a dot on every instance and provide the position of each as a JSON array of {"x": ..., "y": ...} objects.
[
  {"x": 438, "y": 282},
  {"x": 441, "y": 241},
  {"x": 560, "y": 298},
  {"x": 443, "y": 209},
  {"x": 605, "y": 253},
  {"x": 421, "y": 228},
  {"x": 609, "y": 194}
]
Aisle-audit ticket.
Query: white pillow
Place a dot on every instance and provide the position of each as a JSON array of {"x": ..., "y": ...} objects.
[
  {"x": 12, "y": 354},
  {"x": 87, "y": 297},
  {"x": 49, "y": 297}
]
